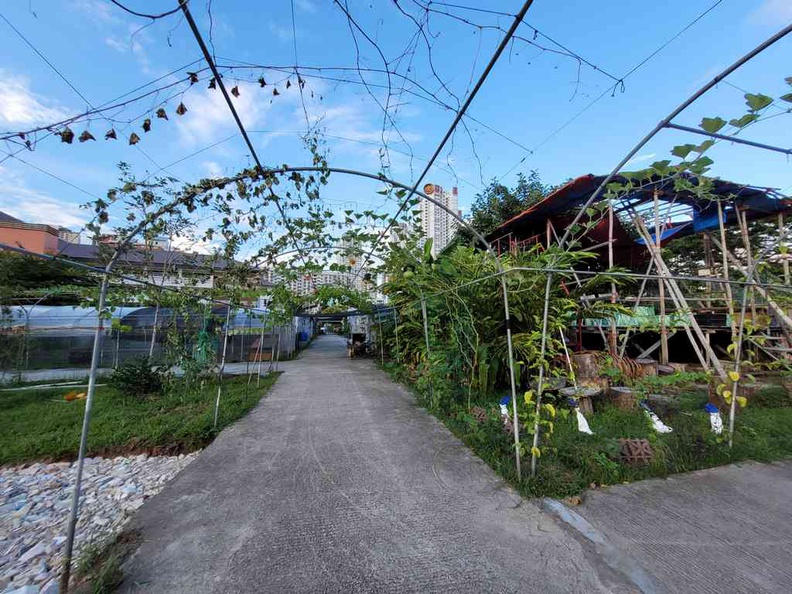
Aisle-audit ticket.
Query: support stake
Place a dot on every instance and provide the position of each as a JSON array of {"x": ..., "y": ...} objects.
[{"x": 75, "y": 504}]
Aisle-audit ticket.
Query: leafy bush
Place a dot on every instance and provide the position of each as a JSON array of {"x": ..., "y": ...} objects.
[{"x": 137, "y": 377}]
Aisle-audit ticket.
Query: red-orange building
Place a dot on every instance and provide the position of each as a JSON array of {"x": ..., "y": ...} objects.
[{"x": 42, "y": 239}]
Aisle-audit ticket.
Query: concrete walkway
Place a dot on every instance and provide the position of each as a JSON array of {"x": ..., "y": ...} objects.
[
  {"x": 719, "y": 530},
  {"x": 336, "y": 482}
]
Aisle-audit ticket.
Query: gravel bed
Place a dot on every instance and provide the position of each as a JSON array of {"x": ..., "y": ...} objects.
[{"x": 34, "y": 507}]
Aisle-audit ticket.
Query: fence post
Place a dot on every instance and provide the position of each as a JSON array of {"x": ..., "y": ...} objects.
[
  {"x": 75, "y": 504},
  {"x": 260, "y": 354},
  {"x": 382, "y": 343},
  {"x": 154, "y": 332},
  {"x": 396, "y": 332},
  {"x": 510, "y": 350},
  {"x": 222, "y": 366},
  {"x": 428, "y": 348}
]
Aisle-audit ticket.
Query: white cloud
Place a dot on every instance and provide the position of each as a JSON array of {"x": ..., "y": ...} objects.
[
  {"x": 192, "y": 245},
  {"x": 32, "y": 206},
  {"x": 773, "y": 13},
  {"x": 642, "y": 158},
  {"x": 282, "y": 33},
  {"x": 213, "y": 169},
  {"x": 19, "y": 105},
  {"x": 305, "y": 6},
  {"x": 209, "y": 116},
  {"x": 134, "y": 44},
  {"x": 99, "y": 11}
]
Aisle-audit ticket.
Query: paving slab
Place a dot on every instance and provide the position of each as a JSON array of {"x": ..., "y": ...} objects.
[
  {"x": 337, "y": 482},
  {"x": 726, "y": 529}
]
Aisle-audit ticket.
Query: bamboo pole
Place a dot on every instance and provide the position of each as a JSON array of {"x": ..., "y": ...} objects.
[
  {"x": 782, "y": 233},
  {"x": 381, "y": 341},
  {"x": 260, "y": 355},
  {"x": 681, "y": 304},
  {"x": 784, "y": 319},
  {"x": 742, "y": 219},
  {"x": 512, "y": 381},
  {"x": 661, "y": 287},
  {"x": 154, "y": 332},
  {"x": 709, "y": 265},
  {"x": 222, "y": 367},
  {"x": 396, "y": 333},
  {"x": 737, "y": 358},
  {"x": 75, "y": 502},
  {"x": 623, "y": 346},
  {"x": 579, "y": 283},
  {"x": 428, "y": 347},
  {"x": 725, "y": 264},
  {"x": 542, "y": 353},
  {"x": 612, "y": 334}
]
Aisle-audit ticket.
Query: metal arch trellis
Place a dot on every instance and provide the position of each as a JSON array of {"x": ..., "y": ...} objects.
[
  {"x": 106, "y": 273},
  {"x": 168, "y": 208},
  {"x": 413, "y": 191}
]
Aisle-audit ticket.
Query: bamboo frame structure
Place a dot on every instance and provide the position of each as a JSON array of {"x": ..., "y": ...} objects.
[{"x": 630, "y": 154}]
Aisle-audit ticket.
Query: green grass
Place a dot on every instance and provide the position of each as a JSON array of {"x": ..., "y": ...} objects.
[
  {"x": 40, "y": 425},
  {"x": 572, "y": 461}
]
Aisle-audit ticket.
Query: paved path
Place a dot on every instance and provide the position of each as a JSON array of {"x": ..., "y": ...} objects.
[
  {"x": 336, "y": 482},
  {"x": 725, "y": 529}
]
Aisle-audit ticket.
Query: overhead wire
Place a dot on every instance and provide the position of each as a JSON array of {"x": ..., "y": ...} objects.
[
  {"x": 219, "y": 80},
  {"x": 457, "y": 118},
  {"x": 611, "y": 90},
  {"x": 144, "y": 15}
]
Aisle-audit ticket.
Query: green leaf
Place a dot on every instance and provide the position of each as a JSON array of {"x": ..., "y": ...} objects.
[
  {"x": 745, "y": 120},
  {"x": 701, "y": 165},
  {"x": 788, "y": 80},
  {"x": 787, "y": 97},
  {"x": 704, "y": 146},
  {"x": 758, "y": 101},
  {"x": 661, "y": 167},
  {"x": 712, "y": 124},
  {"x": 683, "y": 150}
]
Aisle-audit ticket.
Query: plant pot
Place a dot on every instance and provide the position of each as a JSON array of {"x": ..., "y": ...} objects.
[
  {"x": 584, "y": 397},
  {"x": 586, "y": 365},
  {"x": 648, "y": 367},
  {"x": 600, "y": 384},
  {"x": 552, "y": 384},
  {"x": 622, "y": 397},
  {"x": 787, "y": 384}
]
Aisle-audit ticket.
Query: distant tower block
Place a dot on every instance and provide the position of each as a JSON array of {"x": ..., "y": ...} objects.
[{"x": 437, "y": 223}]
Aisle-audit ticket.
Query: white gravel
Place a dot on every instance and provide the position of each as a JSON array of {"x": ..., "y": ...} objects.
[{"x": 34, "y": 507}]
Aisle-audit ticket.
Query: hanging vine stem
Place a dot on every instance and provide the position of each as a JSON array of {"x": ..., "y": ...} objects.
[{"x": 269, "y": 174}]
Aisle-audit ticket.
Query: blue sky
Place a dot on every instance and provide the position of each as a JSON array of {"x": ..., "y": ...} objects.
[{"x": 104, "y": 53}]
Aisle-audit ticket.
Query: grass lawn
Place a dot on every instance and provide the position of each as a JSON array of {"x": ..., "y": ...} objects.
[
  {"x": 41, "y": 425},
  {"x": 572, "y": 461}
]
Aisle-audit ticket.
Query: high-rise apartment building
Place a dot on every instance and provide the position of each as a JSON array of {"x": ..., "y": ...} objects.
[{"x": 437, "y": 223}]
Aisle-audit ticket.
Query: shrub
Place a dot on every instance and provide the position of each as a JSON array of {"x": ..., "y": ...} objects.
[{"x": 137, "y": 377}]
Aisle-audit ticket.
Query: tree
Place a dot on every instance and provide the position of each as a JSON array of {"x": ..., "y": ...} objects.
[
  {"x": 498, "y": 203},
  {"x": 19, "y": 273}
]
